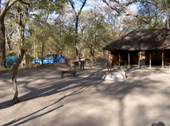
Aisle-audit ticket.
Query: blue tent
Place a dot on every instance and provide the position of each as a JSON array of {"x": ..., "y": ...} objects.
[{"x": 11, "y": 60}]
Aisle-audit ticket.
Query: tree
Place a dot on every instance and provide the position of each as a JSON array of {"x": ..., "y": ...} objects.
[
  {"x": 4, "y": 10},
  {"x": 96, "y": 32},
  {"x": 121, "y": 7},
  {"x": 167, "y": 14},
  {"x": 77, "y": 14},
  {"x": 21, "y": 14},
  {"x": 150, "y": 13},
  {"x": 21, "y": 30},
  {"x": 7, "y": 5}
]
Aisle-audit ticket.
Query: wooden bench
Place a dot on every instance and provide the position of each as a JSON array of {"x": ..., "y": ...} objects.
[{"x": 73, "y": 72}]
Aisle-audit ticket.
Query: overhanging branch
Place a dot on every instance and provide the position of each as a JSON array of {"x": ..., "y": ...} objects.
[
  {"x": 127, "y": 9},
  {"x": 23, "y": 2},
  {"x": 110, "y": 6},
  {"x": 8, "y": 5}
]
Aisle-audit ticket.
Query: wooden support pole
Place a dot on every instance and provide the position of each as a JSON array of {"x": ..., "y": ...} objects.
[
  {"x": 150, "y": 60},
  {"x": 163, "y": 59},
  {"x": 128, "y": 59},
  {"x": 139, "y": 54},
  {"x": 119, "y": 59}
]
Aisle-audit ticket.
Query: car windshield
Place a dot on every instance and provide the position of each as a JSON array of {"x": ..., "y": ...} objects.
[
  {"x": 56, "y": 57},
  {"x": 48, "y": 57}
]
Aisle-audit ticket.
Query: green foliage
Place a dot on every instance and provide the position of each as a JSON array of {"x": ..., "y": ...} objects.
[
  {"x": 153, "y": 10},
  {"x": 51, "y": 23},
  {"x": 11, "y": 54},
  {"x": 96, "y": 33}
]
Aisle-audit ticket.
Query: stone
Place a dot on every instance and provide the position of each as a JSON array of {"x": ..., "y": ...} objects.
[{"x": 114, "y": 76}]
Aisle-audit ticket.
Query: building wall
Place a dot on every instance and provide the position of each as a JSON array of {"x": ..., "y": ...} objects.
[
  {"x": 124, "y": 57},
  {"x": 134, "y": 57},
  {"x": 167, "y": 57},
  {"x": 115, "y": 58},
  {"x": 156, "y": 57}
]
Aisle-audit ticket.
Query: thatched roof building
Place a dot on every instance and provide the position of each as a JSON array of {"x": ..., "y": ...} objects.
[
  {"x": 156, "y": 39},
  {"x": 155, "y": 43}
]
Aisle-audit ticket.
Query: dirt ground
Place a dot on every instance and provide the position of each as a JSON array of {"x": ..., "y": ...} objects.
[{"x": 85, "y": 100}]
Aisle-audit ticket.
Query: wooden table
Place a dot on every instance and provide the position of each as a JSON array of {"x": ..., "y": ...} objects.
[{"x": 79, "y": 62}]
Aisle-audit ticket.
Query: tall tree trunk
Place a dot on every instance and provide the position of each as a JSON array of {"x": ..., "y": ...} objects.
[
  {"x": 92, "y": 57},
  {"x": 76, "y": 30},
  {"x": 3, "y": 12},
  {"x": 77, "y": 21},
  {"x": 14, "y": 77},
  {"x": 2, "y": 45},
  {"x": 167, "y": 15},
  {"x": 42, "y": 52},
  {"x": 0, "y": 6},
  {"x": 21, "y": 32},
  {"x": 14, "y": 82}
]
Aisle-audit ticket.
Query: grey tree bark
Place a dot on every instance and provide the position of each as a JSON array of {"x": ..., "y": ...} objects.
[
  {"x": 14, "y": 77},
  {"x": 3, "y": 12},
  {"x": 77, "y": 14},
  {"x": 167, "y": 14}
]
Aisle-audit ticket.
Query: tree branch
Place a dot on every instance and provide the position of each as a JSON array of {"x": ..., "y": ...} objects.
[
  {"x": 82, "y": 7},
  {"x": 110, "y": 6},
  {"x": 72, "y": 5},
  {"x": 131, "y": 13},
  {"x": 71, "y": 2},
  {"x": 23, "y": 2},
  {"x": 7, "y": 6},
  {"x": 126, "y": 8}
]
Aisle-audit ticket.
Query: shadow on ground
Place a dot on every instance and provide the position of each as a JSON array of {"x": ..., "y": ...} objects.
[{"x": 84, "y": 81}]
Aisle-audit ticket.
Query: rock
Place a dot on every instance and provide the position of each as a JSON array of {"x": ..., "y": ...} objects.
[{"x": 115, "y": 76}]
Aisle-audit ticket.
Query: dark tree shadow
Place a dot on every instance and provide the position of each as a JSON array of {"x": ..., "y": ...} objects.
[
  {"x": 117, "y": 90},
  {"x": 31, "y": 116},
  {"x": 158, "y": 124}
]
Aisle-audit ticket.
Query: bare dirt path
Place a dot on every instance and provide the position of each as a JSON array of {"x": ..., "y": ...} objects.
[{"x": 86, "y": 100}]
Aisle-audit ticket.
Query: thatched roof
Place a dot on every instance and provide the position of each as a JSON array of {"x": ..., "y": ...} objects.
[{"x": 156, "y": 39}]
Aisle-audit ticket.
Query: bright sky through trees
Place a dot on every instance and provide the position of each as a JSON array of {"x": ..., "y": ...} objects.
[{"x": 99, "y": 3}]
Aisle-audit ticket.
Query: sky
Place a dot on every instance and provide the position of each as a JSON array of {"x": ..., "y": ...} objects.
[
  {"x": 96, "y": 3},
  {"x": 90, "y": 4}
]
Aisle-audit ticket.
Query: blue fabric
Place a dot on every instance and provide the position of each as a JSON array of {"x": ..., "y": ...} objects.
[{"x": 11, "y": 60}]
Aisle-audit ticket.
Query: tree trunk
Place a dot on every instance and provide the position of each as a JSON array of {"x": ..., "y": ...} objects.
[
  {"x": 3, "y": 12},
  {"x": 167, "y": 15},
  {"x": 21, "y": 32},
  {"x": 14, "y": 82},
  {"x": 14, "y": 77},
  {"x": 0, "y": 6},
  {"x": 42, "y": 52},
  {"x": 2, "y": 45},
  {"x": 76, "y": 30},
  {"x": 77, "y": 21},
  {"x": 92, "y": 57}
]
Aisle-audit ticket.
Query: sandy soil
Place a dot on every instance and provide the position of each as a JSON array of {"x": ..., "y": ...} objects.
[{"x": 86, "y": 100}]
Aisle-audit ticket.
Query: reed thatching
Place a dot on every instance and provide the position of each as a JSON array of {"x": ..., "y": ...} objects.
[{"x": 156, "y": 39}]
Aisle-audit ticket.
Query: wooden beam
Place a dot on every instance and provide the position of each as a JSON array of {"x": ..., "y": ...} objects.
[
  {"x": 119, "y": 59},
  {"x": 128, "y": 59},
  {"x": 150, "y": 60},
  {"x": 139, "y": 54},
  {"x": 163, "y": 53}
]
